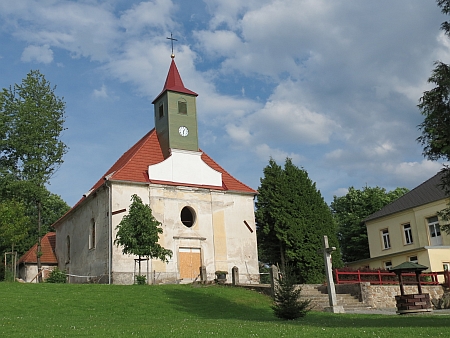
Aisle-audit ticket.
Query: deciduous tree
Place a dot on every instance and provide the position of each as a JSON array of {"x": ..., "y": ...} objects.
[
  {"x": 435, "y": 106},
  {"x": 138, "y": 233},
  {"x": 32, "y": 120},
  {"x": 292, "y": 218},
  {"x": 350, "y": 210}
]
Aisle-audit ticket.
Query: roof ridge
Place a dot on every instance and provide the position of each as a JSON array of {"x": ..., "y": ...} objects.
[
  {"x": 226, "y": 172},
  {"x": 424, "y": 193},
  {"x": 138, "y": 146}
]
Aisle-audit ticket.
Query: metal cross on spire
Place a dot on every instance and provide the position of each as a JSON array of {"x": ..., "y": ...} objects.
[{"x": 172, "y": 40}]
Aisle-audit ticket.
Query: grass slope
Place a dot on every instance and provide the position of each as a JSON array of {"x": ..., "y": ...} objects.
[{"x": 68, "y": 310}]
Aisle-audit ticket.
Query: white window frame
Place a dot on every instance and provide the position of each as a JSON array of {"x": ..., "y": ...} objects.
[
  {"x": 434, "y": 230},
  {"x": 416, "y": 260},
  {"x": 386, "y": 241},
  {"x": 407, "y": 234},
  {"x": 387, "y": 265}
]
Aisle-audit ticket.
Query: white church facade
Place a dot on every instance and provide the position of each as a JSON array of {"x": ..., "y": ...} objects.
[{"x": 207, "y": 215}]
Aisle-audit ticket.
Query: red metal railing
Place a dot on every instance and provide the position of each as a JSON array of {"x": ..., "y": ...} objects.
[{"x": 380, "y": 278}]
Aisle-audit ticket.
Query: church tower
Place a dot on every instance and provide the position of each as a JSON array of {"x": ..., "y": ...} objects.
[{"x": 176, "y": 114}]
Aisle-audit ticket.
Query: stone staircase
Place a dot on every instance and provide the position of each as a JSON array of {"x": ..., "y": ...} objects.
[{"x": 319, "y": 298}]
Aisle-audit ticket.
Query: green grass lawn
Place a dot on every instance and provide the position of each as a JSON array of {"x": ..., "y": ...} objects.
[{"x": 68, "y": 310}]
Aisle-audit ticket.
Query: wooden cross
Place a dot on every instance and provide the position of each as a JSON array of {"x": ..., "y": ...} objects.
[
  {"x": 327, "y": 250},
  {"x": 172, "y": 40}
]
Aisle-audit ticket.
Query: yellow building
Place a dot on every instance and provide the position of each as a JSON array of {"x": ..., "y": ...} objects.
[{"x": 408, "y": 230}]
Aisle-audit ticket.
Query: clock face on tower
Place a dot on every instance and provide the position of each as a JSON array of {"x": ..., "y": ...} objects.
[{"x": 183, "y": 131}]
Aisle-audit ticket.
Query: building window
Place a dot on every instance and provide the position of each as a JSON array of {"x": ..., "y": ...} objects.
[
  {"x": 188, "y": 216},
  {"x": 385, "y": 238},
  {"x": 182, "y": 107},
  {"x": 387, "y": 265},
  {"x": 407, "y": 233},
  {"x": 413, "y": 259},
  {"x": 68, "y": 249},
  {"x": 161, "y": 110},
  {"x": 92, "y": 235},
  {"x": 434, "y": 230}
]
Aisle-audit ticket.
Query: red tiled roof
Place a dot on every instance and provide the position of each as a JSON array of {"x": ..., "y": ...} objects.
[
  {"x": 133, "y": 165},
  {"x": 47, "y": 249},
  {"x": 174, "y": 82}
]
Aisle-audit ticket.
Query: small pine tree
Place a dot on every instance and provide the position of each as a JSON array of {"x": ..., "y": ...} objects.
[{"x": 287, "y": 304}]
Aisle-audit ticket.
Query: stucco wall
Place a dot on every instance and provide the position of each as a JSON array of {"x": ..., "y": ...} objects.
[
  {"x": 416, "y": 217},
  {"x": 219, "y": 231},
  {"x": 84, "y": 263}
]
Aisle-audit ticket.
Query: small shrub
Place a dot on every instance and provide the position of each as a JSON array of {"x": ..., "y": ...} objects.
[
  {"x": 56, "y": 276},
  {"x": 287, "y": 304},
  {"x": 9, "y": 276},
  {"x": 141, "y": 279}
]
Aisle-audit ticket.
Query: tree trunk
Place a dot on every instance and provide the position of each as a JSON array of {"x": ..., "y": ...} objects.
[
  {"x": 282, "y": 257},
  {"x": 139, "y": 265},
  {"x": 38, "y": 252}
]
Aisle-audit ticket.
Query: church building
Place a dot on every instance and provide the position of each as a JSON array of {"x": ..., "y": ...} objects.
[{"x": 207, "y": 215}]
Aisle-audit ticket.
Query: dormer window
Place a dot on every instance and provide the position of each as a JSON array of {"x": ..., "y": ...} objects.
[{"x": 182, "y": 107}]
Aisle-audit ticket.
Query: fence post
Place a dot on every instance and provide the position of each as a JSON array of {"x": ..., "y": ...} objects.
[
  {"x": 235, "y": 276},
  {"x": 379, "y": 276},
  {"x": 203, "y": 277},
  {"x": 359, "y": 277},
  {"x": 336, "y": 274}
]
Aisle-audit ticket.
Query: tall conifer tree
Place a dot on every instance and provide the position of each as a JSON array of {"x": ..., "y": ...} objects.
[{"x": 292, "y": 218}]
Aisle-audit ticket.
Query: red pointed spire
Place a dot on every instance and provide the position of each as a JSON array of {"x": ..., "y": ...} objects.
[{"x": 174, "y": 82}]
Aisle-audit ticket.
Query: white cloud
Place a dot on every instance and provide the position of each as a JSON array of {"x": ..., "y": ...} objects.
[
  {"x": 265, "y": 152},
  {"x": 145, "y": 16},
  {"x": 39, "y": 54},
  {"x": 101, "y": 93}
]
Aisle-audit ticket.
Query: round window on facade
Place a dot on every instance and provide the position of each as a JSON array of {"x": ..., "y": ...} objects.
[{"x": 188, "y": 216}]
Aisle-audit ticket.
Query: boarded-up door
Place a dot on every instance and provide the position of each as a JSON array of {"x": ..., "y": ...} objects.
[{"x": 190, "y": 262}]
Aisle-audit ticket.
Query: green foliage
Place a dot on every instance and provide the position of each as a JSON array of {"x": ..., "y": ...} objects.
[
  {"x": 53, "y": 207},
  {"x": 32, "y": 119},
  {"x": 56, "y": 276},
  {"x": 435, "y": 106},
  {"x": 8, "y": 275},
  {"x": 31, "y": 122},
  {"x": 138, "y": 233},
  {"x": 349, "y": 212},
  {"x": 287, "y": 304},
  {"x": 141, "y": 279},
  {"x": 292, "y": 219},
  {"x": 14, "y": 224}
]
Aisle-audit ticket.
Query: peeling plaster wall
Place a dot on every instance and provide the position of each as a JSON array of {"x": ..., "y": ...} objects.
[
  {"x": 86, "y": 264},
  {"x": 219, "y": 232}
]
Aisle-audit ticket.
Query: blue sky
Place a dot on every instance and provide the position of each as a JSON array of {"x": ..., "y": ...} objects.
[{"x": 332, "y": 84}]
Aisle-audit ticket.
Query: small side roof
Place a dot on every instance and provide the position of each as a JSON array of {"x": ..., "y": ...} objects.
[
  {"x": 428, "y": 192},
  {"x": 47, "y": 248},
  {"x": 409, "y": 266}
]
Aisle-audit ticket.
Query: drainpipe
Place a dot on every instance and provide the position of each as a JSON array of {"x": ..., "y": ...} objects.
[{"x": 108, "y": 185}]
